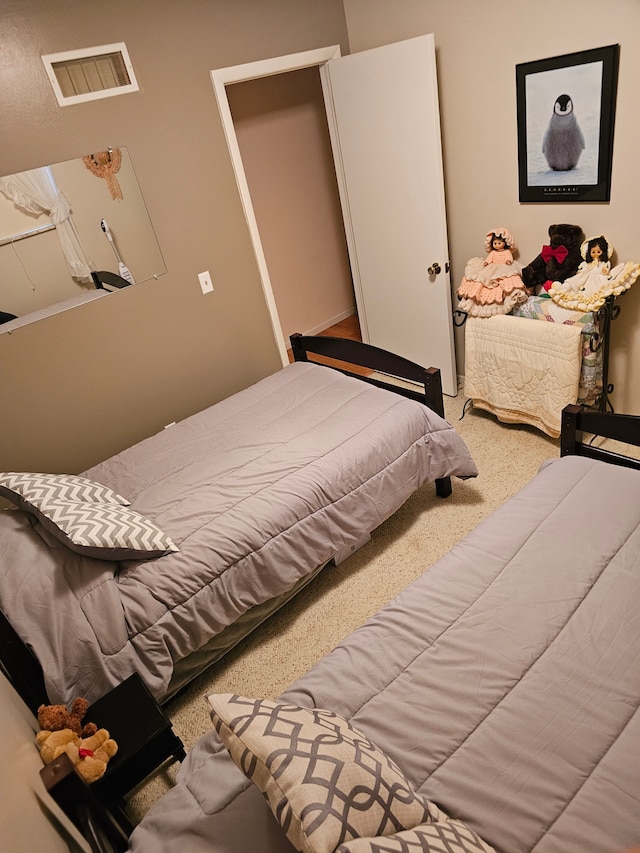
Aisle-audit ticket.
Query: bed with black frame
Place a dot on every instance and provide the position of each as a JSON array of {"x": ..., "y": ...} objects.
[
  {"x": 238, "y": 507},
  {"x": 494, "y": 704}
]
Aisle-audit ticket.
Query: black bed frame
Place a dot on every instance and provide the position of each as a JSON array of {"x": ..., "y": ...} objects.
[
  {"x": 578, "y": 421},
  {"x": 356, "y": 353},
  {"x": 374, "y": 358},
  {"x": 18, "y": 662}
]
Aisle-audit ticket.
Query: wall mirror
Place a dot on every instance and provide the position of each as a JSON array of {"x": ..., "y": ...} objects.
[{"x": 60, "y": 223}]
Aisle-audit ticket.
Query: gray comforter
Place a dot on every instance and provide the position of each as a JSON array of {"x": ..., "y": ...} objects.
[
  {"x": 505, "y": 682},
  {"x": 257, "y": 491}
]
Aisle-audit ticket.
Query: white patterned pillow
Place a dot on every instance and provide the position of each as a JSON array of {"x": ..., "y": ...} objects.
[
  {"x": 443, "y": 836},
  {"x": 105, "y": 531},
  {"x": 36, "y": 489},
  {"x": 324, "y": 781}
]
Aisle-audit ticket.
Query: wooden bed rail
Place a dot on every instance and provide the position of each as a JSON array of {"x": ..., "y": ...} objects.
[
  {"x": 379, "y": 360},
  {"x": 577, "y": 420}
]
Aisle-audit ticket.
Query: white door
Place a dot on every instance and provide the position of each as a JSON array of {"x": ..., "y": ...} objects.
[{"x": 386, "y": 138}]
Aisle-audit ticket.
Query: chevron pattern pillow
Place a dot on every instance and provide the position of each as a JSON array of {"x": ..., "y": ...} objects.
[
  {"x": 324, "y": 781},
  {"x": 41, "y": 488},
  {"x": 87, "y": 517},
  {"x": 105, "y": 531}
]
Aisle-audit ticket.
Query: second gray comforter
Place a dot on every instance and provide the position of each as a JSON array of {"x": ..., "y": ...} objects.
[{"x": 505, "y": 682}]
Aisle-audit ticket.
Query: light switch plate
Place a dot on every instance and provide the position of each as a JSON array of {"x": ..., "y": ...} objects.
[{"x": 205, "y": 282}]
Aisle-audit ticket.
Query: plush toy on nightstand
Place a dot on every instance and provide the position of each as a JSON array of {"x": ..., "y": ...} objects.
[
  {"x": 53, "y": 744},
  {"x": 557, "y": 261},
  {"x": 89, "y": 755},
  {"x": 93, "y": 755},
  {"x": 54, "y": 718},
  {"x": 88, "y": 747}
]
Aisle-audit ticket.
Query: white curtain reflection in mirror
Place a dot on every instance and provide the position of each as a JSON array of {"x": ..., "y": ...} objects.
[
  {"x": 36, "y": 192},
  {"x": 51, "y": 236}
]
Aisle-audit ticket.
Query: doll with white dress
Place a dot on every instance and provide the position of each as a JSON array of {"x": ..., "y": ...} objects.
[
  {"x": 595, "y": 279},
  {"x": 492, "y": 285}
]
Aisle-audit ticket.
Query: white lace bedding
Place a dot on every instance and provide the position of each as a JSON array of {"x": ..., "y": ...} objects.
[{"x": 521, "y": 370}]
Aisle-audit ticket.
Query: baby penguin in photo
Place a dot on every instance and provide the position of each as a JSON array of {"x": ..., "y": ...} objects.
[{"x": 563, "y": 141}]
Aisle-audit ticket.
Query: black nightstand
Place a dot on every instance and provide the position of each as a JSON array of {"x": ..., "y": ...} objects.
[{"x": 144, "y": 736}]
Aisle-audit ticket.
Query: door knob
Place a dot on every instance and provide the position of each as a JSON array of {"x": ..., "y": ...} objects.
[{"x": 434, "y": 269}]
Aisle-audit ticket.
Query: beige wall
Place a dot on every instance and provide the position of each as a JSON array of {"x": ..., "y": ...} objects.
[
  {"x": 477, "y": 49},
  {"x": 79, "y": 386}
]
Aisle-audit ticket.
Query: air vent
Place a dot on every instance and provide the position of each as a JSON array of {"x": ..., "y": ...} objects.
[{"x": 90, "y": 73}]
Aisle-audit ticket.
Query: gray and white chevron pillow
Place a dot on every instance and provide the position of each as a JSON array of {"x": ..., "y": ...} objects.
[
  {"x": 87, "y": 517},
  {"x": 105, "y": 531},
  {"x": 323, "y": 780},
  {"x": 41, "y": 488}
]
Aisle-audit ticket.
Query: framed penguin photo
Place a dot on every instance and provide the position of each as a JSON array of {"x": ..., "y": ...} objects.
[{"x": 566, "y": 112}]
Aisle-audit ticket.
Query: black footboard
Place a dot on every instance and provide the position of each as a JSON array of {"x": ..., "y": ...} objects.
[
  {"x": 576, "y": 421},
  {"x": 358, "y": 354}
]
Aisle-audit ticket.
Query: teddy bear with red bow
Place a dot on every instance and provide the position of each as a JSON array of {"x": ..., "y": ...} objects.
[{"x": 557, "y": 261}]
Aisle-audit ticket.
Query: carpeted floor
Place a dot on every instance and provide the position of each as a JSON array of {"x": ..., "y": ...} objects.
[{"x": 341, "y": 598}]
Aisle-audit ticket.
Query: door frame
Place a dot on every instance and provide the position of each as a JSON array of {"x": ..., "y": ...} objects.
[{"x": 221, "y": 78}]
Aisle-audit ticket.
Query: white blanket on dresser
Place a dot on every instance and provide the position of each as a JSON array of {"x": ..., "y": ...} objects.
[{"x": 523, "y": 371}]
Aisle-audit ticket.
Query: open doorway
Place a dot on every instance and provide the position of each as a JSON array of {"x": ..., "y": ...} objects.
[
  {"x": 309, "y": 261},
  {"x": 282, "y": 134},
  {"x": 392, "y": 194}
]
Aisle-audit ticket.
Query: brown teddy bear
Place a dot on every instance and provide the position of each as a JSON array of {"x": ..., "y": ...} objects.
[
  {"x": 54, "y": 718},
  {"x": 557, "y": 261},
  {"x": 89, "y": 756}
]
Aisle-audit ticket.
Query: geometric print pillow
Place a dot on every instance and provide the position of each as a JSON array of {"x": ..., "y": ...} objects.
[
  {"x": 87, "y": 517},
  {"x": 324, "y": 781},
  {"x": 105, "y": 531},
  {"x": 39, "y": 488},
  {"x": 443, "y": 835}
]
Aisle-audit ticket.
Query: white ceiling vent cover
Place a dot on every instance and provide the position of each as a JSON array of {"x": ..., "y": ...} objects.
[{"x": 90, "y": 73}]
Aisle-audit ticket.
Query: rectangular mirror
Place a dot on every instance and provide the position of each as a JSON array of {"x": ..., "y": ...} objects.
[{"x": 101, "y": 223}]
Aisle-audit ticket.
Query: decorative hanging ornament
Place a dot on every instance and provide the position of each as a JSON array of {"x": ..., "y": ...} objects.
[{"x": 106, "y": 164}]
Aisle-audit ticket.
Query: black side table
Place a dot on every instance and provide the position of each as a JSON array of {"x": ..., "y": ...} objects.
[{"x": 145, "y": 740}]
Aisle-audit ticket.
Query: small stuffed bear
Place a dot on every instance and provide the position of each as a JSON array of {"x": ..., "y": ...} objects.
[
  {"x": 89, "y": 756},
  {"x": 53, "y": 744},
  {"x": 93, "y": 755},
  {"x": 557, "y": 261},
  {"x": 54, "y": 718}
]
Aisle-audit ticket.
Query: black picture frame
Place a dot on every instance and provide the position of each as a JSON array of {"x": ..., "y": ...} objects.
[{"x": 550, "y": 130}]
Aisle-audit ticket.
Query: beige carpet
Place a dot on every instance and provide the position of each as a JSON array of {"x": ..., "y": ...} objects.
[{"x": 343, "y": 597}]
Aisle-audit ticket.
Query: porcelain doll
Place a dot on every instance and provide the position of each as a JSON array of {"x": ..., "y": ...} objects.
[
  {"x": 492, "y": 285},
  {"x": 595, "y": 279}
]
